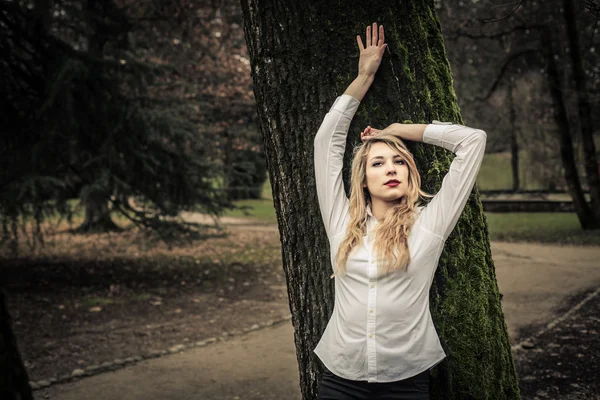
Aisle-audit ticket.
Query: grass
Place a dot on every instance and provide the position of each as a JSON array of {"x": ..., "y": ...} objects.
[
  {"x": 93, "y": 301},
  {"x": 560, "y": 228},
  {"x": 496, "y": 173},
  {"x": 261, "y": 210}
]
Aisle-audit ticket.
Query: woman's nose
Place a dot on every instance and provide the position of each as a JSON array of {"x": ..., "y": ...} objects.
[{"x": 391, "y": 169}]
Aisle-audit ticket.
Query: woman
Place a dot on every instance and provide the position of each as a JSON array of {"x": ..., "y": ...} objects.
[{"x": 380, "y": 342}]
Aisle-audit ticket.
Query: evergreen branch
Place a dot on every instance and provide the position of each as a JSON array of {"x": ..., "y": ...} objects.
[
  {"x": 63, "y": 23},
  {"x": 107, "y": 61}
]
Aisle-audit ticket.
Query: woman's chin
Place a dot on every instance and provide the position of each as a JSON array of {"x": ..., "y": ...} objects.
[{"x": 390, "y": 197}]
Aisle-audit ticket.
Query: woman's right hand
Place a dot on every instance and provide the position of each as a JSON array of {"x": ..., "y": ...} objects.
[
  {"x": 369, "y": 133},
  {"x": 371, "y": 53}
]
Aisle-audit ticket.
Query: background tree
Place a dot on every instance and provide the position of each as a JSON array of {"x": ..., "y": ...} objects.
[
  {"x": 14, "y": 381},
  {"x": 115, "y": 101},
  {"x": 303, "y": 55},
  {"x": 99, "y": 104},
  {"x": 204, "y": 40},
  {"x": 520, "y": 43}
]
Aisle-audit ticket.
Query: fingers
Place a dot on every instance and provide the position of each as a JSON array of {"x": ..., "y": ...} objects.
[
  {"x": 381, "y": 36},
  {"x": 366, "y": 134},
  {"x": 360, "y": 43},
  {"x": 375, "y": 35}
]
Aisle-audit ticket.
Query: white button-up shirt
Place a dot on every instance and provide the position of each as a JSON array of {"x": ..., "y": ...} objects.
[{"x": 381, "y": 328}]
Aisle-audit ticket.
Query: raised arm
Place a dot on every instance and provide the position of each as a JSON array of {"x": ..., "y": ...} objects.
[
  {"x": 442, "y": 213},
  {"x": 330, "y": 141},
  {"x": 330, "y": 144}
]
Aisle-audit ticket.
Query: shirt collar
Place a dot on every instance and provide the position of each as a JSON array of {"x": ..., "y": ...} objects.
[{"x": 369, "y": 212}]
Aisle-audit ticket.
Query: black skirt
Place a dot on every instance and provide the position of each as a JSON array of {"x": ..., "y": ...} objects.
[{"x": 333, "y": 387}]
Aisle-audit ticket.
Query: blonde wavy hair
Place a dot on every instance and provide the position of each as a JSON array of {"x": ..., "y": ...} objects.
[{"x": 391, "y": 234}]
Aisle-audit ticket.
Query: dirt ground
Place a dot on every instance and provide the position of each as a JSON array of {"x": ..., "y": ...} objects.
[
  {"x": 70, "y": 316},
  {"x": 564, "y": 362},
  {"x": 71, "y": 310},
  {"x": 561, "y": 364}
]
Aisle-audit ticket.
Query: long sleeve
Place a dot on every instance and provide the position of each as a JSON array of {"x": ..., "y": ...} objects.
[
  {"x": 443, "y": 211},
  {"x": 330, "y": 145}
]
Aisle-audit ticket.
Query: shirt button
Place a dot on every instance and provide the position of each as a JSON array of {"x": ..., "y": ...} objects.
[
  {"x": 372, "y": 261},
  {"x": 371, "y": 335},
  {"x": 372, "y": 284},
  {"x": 371, "y": 310}
]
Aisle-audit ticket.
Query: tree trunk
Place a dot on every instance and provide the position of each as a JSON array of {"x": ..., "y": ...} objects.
[
  {"x": 14, "y": 381},
  {"x": 97, "y": 216},
  {"x": 582, "y": 208},
  {"x": 584, "y": 111},
  {"x": 97, "y": 211},
  {"x": 514, "y": 145},
  {"x": 303, "y": 54},
  {"x": 583, "y": 107}
]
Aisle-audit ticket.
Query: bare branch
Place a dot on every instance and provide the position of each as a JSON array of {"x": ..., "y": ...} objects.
[
  {"x": 507, "y": 62},
  {"x": 593, "y": 7},
  {"x": 496, "y": 35},
  {"x": 519, "y": 4}
]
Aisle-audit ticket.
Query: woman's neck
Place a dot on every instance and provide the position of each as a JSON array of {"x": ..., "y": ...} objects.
[{"x": 380, "y": 207}]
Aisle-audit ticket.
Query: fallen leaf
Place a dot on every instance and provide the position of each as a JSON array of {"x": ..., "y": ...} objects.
[{"x": 95, "y": 309}]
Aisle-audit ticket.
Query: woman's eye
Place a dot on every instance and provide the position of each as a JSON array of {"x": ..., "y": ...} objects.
[
  {"x": 376, "y": 164},
  {"x": 400, "y": 162}
]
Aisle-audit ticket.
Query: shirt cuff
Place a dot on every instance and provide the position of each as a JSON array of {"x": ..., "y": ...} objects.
[
  {"x": 434, "y": 133},
  {"x": 346, "y": 105}
]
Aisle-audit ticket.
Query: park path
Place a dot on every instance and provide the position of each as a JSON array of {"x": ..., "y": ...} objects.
[{"x": 536, "y": 281}]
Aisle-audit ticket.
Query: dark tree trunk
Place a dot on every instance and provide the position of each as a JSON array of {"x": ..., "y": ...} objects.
[
  {"x": 97, "y": 211},
  {"x": 584, "y": 112},
  {"x": 514, "y": 144},
  {"x": 586, "y": 218},
  {"x": 303, "y": 55},
  {"x": 14, "y": 381},
  {"x": 97, "y": 216}
]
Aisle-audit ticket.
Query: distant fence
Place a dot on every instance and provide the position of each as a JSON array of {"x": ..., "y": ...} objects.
[
  {"x": 491, "y": 203},
  {"x": 524, "y": 192},
  {"x": 511, "y": 206}
]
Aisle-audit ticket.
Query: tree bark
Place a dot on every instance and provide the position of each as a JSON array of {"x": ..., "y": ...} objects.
[
  {"x": 585, "y": 117},
  {"x": 97, "y": 216},
  {"x": 303, "y": 54},
  {"x": 514, "y": 144},
  {"x": 582, "y": 208},
  {"x": 14, "y": 380}
]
